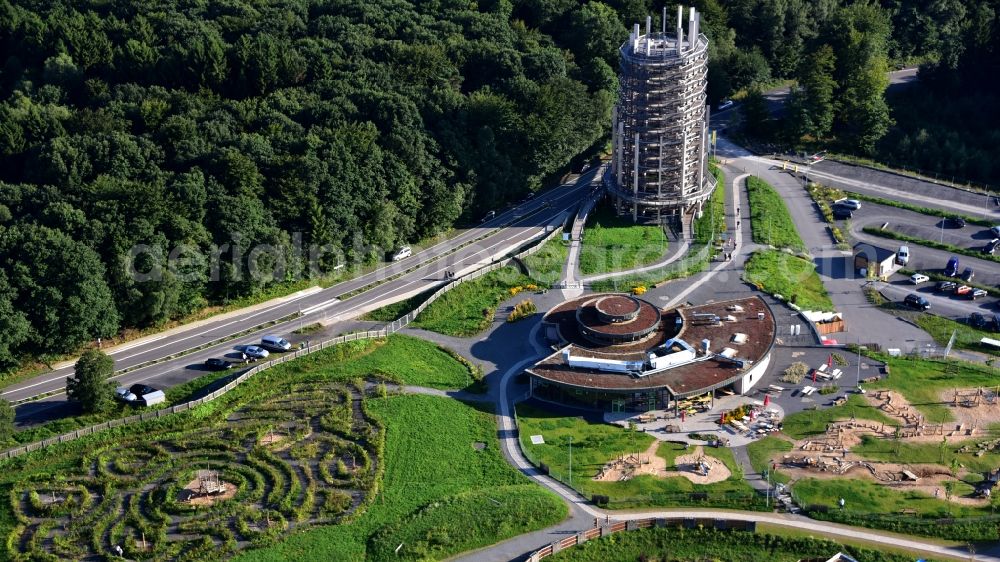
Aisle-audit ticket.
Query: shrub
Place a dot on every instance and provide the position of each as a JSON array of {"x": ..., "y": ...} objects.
[
  {"x": 795, "y": 373},
  {"x": 522, "y": 310}
]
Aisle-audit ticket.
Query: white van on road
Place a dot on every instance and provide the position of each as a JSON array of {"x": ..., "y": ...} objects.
[{"x": 275, "y": 343}]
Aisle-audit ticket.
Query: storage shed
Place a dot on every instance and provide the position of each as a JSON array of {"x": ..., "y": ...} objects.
[{"x": 873, "y": 261}]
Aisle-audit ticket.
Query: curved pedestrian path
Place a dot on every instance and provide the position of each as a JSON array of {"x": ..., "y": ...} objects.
[{"x": 678, "y": 252}]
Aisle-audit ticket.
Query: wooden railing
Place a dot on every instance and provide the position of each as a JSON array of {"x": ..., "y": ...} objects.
[{"x": 603, "y": 530}]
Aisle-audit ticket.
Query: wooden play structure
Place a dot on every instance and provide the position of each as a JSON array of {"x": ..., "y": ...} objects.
[{"x": 208, "y": 484}]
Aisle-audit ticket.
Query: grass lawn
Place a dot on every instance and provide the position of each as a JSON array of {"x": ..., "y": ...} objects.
[
  {"x": 813, "y": 422},
  {"x": 771, "y": 222},
  {"x": 794, "y": 278},
  {"x": 469, "y": 308},
  {"x": 719, "y": 546},
  {"x": 922, "y": 381},
  {"x": 615, "y": 243},
  {"x": 436, "y": 491},
  {"x": 713, "y": 218},
  {"x": 402, "y": 359},
  {"x": 762, "y": 450},
  {"x": 867, "y": 497},
  {"x": 594, "y": 444},
  {"x": 967, "y": 337},
  {"x": 696, "y": 261},
  {"x": 546, "y": 265}
]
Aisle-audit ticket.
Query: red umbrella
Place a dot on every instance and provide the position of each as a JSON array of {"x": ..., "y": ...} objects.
[
  {"x": 722, "y": 418},
  {"x": 767, "y": 400},
  {"x": 682, "y": 415},
  {"x": 829, "y": 361},
  {"x": 814, "y": 375}
]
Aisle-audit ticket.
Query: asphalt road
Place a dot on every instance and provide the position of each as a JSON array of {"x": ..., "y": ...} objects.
[{"x": 502, "y": 234}]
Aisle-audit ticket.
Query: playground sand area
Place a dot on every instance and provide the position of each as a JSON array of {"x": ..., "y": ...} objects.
[
  {"x": 829, "y": 456},
  {"x": 696, "y": 466}
]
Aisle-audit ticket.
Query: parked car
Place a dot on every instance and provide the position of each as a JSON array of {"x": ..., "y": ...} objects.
[
  {"x": 951, "y": 269},
  {"x": 916, "y": 301},
  {"x": 985, "y": 321},
  {"x": 852, "y": 204},
  {"x": 963, "y": 290},
  {"x": 918, "y": 278},
  {"x": 489, "y": 216},
  {"x": 725, "y": 104},
  {"x": 217, "y": 364},
  {"x": 275, "y": 343},
  {"x": 978, "y": 293},
  {"x": 991, "y": 246},
  {"x": 977, "y": 320},
  {"x": 402, "y": 253},
  {"x": 842, "y": 213},
  {"x": 954, "y": 222},
  {"x": 140, "y": 395},
  {"x": 946, "y": 286},
  {"x": 122, "y": 394},
  {"x": 903, "y": 255},
  {"x": 255, "y": 352},
  {"x": 996, "y": 230},
  {"x": 968, "y": 274}
]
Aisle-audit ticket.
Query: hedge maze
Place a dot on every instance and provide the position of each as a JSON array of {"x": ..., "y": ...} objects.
[{"x": 302, "y": 454}]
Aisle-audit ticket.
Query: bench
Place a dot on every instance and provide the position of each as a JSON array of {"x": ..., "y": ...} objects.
[
  {"x": 808, "y": 390},
  {"x": 776, "y": 388}
]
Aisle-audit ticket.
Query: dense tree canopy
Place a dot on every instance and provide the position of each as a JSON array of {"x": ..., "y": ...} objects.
[{"x": 193, "y": 128}]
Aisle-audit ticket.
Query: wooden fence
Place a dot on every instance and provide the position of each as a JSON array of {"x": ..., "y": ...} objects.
[
  {"x": 390, "y": 328},
  {"x": 602, "y": 530}
]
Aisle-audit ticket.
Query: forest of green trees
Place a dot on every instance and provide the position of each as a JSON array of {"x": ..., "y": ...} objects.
[
  {"x": 948, "y": 123},
  {"x": 366, "y": 125}
]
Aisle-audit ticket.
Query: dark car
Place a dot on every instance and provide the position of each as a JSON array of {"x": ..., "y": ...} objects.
[
  {"x": 977, "y": 320},
  {"x": 991, "y": 246},
  {"x": 916, "y": 301},
  {"x": 968, "y": 274},
  {"x": 841, "y": 212},
  {"x": 984, "y": 321},
  {"x": 141, "y": 390},
  {"x": 954, "y": 222},
  {"x": 951, "y": 269},
  {"x": 217, "y": 364},
  {"x": 946, "y": 286}
]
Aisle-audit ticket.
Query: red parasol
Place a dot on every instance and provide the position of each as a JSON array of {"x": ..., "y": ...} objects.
[
  {"x": 814, "y": 375},
  {"x": 722, "y": 418},
  {"x": 767, "y": 400},
  {"x": 683, "y": 415},
  {"x": 829, "y": 361}
]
